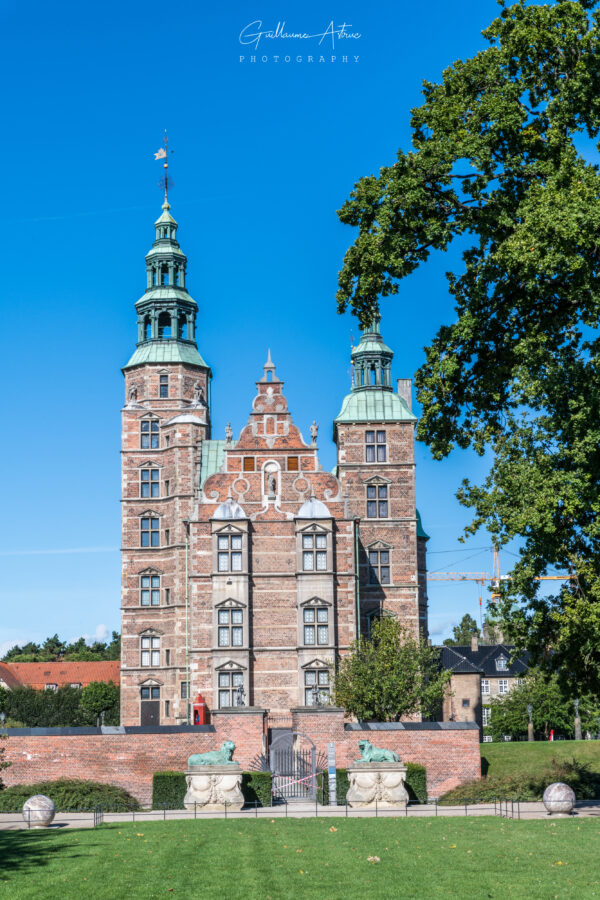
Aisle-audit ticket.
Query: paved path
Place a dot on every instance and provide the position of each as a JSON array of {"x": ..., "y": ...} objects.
[{"x": 12, "y": 821}]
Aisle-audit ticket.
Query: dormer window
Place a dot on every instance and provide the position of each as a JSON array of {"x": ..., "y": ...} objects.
[{"x": 501, "y": 665}]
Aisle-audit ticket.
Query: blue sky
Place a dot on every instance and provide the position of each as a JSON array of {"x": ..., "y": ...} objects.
[{"x": 265, "y": 153}]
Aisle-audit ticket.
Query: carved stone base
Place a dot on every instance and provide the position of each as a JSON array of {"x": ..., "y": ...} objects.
[
  {"x": 214, "y": 788},
  {"x": 381, "y": 783}
]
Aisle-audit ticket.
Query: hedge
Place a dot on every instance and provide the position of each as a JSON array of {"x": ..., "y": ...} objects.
[
  {"x": 416, "y": 785},
  {"x": 70, "y": 794},
  {"x": 169, "y": 789}
]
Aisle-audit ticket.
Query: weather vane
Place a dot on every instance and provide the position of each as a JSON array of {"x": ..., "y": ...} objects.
[{"x": 165, "y": 182}]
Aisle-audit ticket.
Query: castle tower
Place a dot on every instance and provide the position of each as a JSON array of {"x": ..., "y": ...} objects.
[
  {"x": 374, "y": 433},
  {"x": 164, "y": 422}
]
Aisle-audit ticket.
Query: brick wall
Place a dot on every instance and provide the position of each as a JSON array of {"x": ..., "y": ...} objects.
[{"x": 451, "y": 753}]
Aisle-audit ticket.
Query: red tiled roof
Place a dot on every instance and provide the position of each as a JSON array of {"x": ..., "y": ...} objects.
[{"x": 38, "y": 675}]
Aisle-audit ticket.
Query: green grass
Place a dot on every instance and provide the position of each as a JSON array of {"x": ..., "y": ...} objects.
[
  {"x": 522, "y": 757},
  {"x": 322, "y": 858}
]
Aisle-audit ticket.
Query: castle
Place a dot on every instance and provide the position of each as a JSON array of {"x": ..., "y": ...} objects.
[{"x": 246, "y": 568}]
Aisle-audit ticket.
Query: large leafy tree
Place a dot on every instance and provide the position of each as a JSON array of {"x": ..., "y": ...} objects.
[
  {"x": 463, "y": 632},
  {"x": 391, "y": 675},
  {"x": 54, "y": 649},
  {"x": 496, "y": 163}
]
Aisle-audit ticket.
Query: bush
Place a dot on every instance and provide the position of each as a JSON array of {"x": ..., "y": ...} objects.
[
  {"x": 416, "y": 785},
  {"x": 577, "y": 775},
  {"x": 168, "y": 790},
  {"x": 256, "y": 788},
  {"x": 70, "y": 794}
]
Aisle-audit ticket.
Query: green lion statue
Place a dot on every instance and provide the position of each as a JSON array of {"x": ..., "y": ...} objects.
[
  {"x": 369, "y": 753},
  {"x": 221, "y": 757}
]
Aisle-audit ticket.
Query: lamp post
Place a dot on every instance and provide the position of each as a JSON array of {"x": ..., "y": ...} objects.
[
  {"x": 577, "y": 722},
  {"x": 530, "y": 736}
]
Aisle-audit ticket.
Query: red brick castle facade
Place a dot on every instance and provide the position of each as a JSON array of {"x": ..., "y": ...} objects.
[{"x": 240, "y": 556}]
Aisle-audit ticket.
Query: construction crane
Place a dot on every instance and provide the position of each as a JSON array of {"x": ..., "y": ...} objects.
[{"x": 482, "y": 577}]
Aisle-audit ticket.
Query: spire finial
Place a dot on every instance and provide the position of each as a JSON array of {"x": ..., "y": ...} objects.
[
  {"x": 269, "y": 367},
  {"x": 165, "y": 182}
]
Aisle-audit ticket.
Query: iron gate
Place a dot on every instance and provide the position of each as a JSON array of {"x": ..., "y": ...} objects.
[{"x": 294, "y": 770}]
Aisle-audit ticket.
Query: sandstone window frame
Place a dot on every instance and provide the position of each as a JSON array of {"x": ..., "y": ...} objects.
[
  {"x": 221, "y": 529},
  {"x": 149, "y": 482},
  {"x": 374, "y": 569},
  {"x": 238, "y": 675},
  {"x": 150, "y": 588},
  {"x": 316, "y": 672},
  {"x": 149, "y": 529},
  {"x": 150, "y": 649},
  {"x": 316, "y": 530},
  {"x": 149, "y": 433},
  {"x": 235, "y": 608},
  {"x": 163, "y": 385},
  {"x": 316, "y": 608},
  {"x": 376, "y": 445},
  {"x": 378, "y": 497}
]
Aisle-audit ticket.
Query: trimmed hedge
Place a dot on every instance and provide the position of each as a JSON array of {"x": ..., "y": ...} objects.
[
  {"x": 256, "y": 787},
  {"x": 416, "y": 785},
  {"x": 169, "y": 789},
  {"x": 71, "y": 795}
]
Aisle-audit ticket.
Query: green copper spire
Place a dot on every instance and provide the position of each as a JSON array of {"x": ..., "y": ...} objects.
[
  {"x": 166, "y": 312},
  {"x": 372, "y": 398}
]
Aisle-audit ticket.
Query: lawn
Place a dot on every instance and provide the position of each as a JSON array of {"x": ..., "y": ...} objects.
[
  {"x": 308, "y": 858},
  {"x": 522, "y": 757}
]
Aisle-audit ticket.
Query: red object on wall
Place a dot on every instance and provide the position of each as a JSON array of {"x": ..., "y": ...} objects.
[{"x": 200, "y": 711}]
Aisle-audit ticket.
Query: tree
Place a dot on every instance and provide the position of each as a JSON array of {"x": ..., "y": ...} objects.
[
  {"x": 54, "y": 649},
  {"x": 389, "y": 676},
  {"x": 463, "y": 632},
  {"x": 496, "y": 164},
  {"x": 98, "y": 697},
  {"x": 4, "y": 763}
]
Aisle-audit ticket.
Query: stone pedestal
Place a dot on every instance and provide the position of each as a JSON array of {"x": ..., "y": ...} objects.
[
  {"x": 373, "y": 782},
  {"x": 214, "y": 788}
]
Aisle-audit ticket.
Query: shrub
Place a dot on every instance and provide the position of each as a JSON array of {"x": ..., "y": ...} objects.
[
  {"x": 341, "y": 787},
  {"x": 168, "y": 790},
  {"x": 256, "y": 787},
  {"x": 577, "y": 775},
  {"x": 70, "y": 794},
  {"x": 416, "y": 782}
]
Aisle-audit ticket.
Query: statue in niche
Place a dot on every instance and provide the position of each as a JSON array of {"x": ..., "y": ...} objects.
[
  {"x": 314, "y": 430},
  {"x": 133, "y": 393},
  {"x": 228, "y": 433},
  {"x": 272, "y": 484},
  {"x": 198, "y": 394}
]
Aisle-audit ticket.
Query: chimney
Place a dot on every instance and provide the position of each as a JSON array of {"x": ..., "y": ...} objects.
[
  {"x": 405, "y": 391},
  {"x": 474, "y": 643}
]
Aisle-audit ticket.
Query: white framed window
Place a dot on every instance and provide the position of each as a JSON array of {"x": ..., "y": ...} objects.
[
  {"x": 485, "y": 685},
  {"x": 316, "y": 687},
  {"x": 150, "y": 651},
  {"x": 50, "y": 687},
  {"x": 228, "y": 684},
  {"x": 486, "y": 716},
  {"x": 149, "y": 435},
  {"x": 316, "y": 625},
  {"x": 149, "y": 483},
  {"x": 229, "y": 553},
  {"x": 314, "y": 552},
  {"x": 230, "y": 628},
  {"x": 487, "y": 739},
  {"x": 149, "y": 590},
  {"x": 501, "y": 664},
  {"x": 76, "y": 684},
  {"x": 503, "y": 685}
]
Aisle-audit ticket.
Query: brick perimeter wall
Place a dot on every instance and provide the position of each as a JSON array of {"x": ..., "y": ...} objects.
[{"x": 129, "y": 760}]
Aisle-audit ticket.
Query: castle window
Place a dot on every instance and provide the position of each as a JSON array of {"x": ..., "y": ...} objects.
[
  {"x": 149, "y": 484},
  {"x": 150, "y": 693},
  {"x": 249, "y": 464},
  {"x": 292, "y": 463},
  {"x": 381, "y": 446},
  {"x": 167, "y": 486},
  {"x": 149, "y": 532},
  {"x": 149, "y": 435},
  {"x": 316, "y": 626},
  {"x": 379, "y": 567},
  {"x": 229, "y": 552},
  {"x": 184, "y": 690},
  {"x": 167, "y": 536},
  {"x": 370, "y": 446},
  {"x": 373, "y": 375},
  {"x": 228, "y": 684},
  {"x": 377, "y": 501},
  {"x": 164, "y": 275},
  {"x": 314, "y": 552},
  {"x": 230, "y": 630},
  {"x": 316, "y": 687},
  {"x": 150, "y": 590},
  {"x": 163, "y": 390},
  {"x": 150, "y": 651},
  {"x": 168, "y": 596}
]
